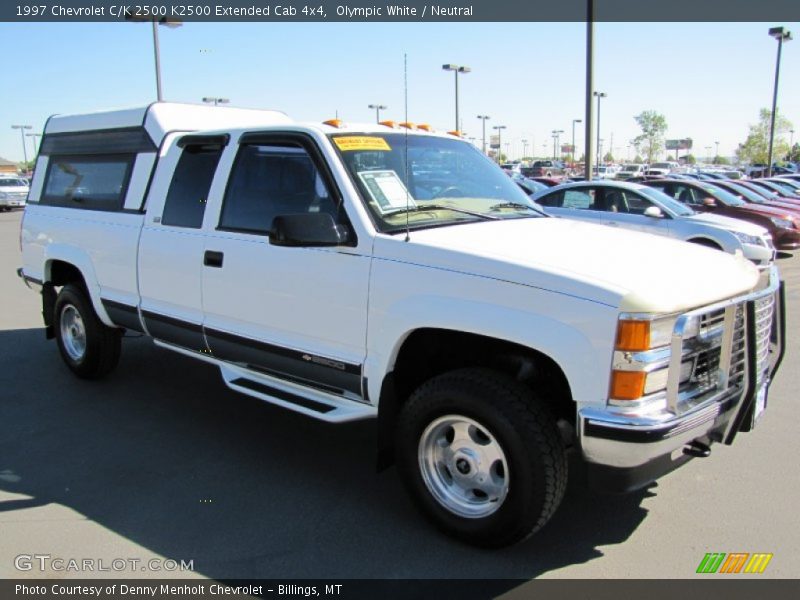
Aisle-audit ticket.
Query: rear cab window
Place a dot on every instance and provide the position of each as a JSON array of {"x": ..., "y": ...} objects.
[{"x": 86, "y": 181}]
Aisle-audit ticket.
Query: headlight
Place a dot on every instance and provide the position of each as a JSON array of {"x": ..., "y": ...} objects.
[
  {"x": 639, "y": 335},
  {"x": 748, "y": 239},
  {"x": 782, "y": 223}
]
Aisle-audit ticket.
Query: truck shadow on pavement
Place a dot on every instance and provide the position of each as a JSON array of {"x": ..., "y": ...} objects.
[{"x": 163, "y": 454}]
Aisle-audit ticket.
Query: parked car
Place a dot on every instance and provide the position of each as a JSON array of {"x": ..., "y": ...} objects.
[
  {"x": 750, "y": 195},
  {"x": 355, "y": 271},
  {"x": 548, "y": 181},
  {"x": 631, "y": 170},
  {"x": 772, "y": 198},
  {"x": 545, "y": 168},
  {"x": 789, "y": 186},
  {"x": 706, "y": 197},
  {"x": 662, "y": 168},
  {"x": 528, "y": 185},
  {"x": 603, "y": 172},
  {"x": 13, "y": 192},
  {"x": 793, "y": 183},
  {"x": 634, "y": 206},
  {"x": 782, "y": 191}
]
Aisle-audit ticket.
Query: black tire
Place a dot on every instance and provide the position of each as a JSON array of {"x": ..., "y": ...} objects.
[
  {"x": 101, "y": 343},
  {"x": 522, "y": 427}
]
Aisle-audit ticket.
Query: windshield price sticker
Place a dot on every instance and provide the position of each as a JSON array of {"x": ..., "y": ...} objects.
[
  {"x": 360, "y": 142},
  {"x": 387, "y": 190}
]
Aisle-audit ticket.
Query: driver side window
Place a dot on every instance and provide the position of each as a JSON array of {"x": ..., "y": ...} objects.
[{"x": 269, "y": 180}]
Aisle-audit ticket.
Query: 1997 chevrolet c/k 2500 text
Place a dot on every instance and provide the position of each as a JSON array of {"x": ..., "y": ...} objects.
[{"x": 388, "y": 271}]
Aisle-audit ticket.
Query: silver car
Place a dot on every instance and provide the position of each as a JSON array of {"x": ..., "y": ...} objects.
[{"x": 634, "y": 206}]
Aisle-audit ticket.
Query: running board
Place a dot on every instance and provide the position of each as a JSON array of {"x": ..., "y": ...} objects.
[
  {"x": 292, "y": 396},
  {"x": 311, "y": 402}
]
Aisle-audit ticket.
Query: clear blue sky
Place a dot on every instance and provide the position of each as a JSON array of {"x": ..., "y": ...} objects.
[{"x": 708, "y": 79}]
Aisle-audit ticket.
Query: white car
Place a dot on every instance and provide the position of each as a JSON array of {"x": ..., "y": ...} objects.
[
  {"x": 633, "y": 170},
  {"x": 663, "y": 168},
  {"x": 634, "y": 206},
  {"x": 13, "y": 192}
]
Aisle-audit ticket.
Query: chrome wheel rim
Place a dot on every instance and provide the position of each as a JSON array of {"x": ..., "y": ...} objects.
[
  {"x": 73, "y": 333},
  {"x": 463, "y": 466}
]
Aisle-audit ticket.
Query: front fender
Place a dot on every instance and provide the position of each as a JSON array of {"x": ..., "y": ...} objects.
[{"x": 580, "y": 345}]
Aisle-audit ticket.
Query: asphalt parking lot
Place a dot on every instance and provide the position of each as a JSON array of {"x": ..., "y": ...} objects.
[{"x": 162, "y": 460}]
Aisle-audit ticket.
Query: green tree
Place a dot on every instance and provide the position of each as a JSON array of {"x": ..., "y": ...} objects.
[
  {"x": 794, "y": 154},
  {"x": 755, "y": 149},
  {"x": 721, "y": 160},
  {"x": 26, "y": 167},
  {"x": 608, "y": 158},
  {"x": 690, "y": 159},
  {"x": 650, "y": 142},
  {"x": 638, "y": 159}
]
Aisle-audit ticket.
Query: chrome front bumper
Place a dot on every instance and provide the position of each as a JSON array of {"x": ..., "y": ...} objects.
[{"x": 751, "y": 352}]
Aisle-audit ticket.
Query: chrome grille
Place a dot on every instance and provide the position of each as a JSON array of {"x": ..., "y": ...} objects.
[
  {"x": 719, "y": 351},
  {"x": 764, "y": 309}
]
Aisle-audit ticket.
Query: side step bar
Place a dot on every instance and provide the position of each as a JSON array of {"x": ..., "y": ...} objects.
[
  {"x": 288, "y": 394},
  {"x": 308, "y": 401}
]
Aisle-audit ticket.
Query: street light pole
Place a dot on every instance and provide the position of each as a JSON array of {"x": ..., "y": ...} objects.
[
  {"x": 599, "y": 96},
  {"x": 172, "y": 23},
  {"x": 34, "y": 136},
  {"x": 456, "y": 70},
  {"x": 587, "y": 167},
  {"x": 556, "y": 135},
  {"x": 717, "y": 152},
  {"x": 499, "y": 129},
  {"x": 22, "y": 129},
  {"x": 782, "y": 35},
  {"x": 524, "y": 148},
  {"x": 573, "y": 138},
  {"x": 483, "y": 119},
  {"x": 378, "y": 108},
  {"x": 157, "y": 53}
]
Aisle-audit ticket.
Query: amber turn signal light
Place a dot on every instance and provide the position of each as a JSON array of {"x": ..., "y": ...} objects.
[{"x": 627, "y": 385}]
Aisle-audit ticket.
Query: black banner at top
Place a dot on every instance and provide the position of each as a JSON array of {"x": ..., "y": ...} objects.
[{"x": 405, "y": 11}]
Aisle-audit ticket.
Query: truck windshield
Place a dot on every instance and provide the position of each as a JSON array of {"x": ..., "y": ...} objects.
[{"x": 431, "y": 181}]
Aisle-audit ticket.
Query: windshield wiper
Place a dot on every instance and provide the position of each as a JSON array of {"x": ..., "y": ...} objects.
[
  {"x": 513, "y": 205},
  {"x": 424, "y": 207}
]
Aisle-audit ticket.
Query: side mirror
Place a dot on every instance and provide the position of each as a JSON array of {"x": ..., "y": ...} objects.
[
  {"x": 308, "y": 229},
  {"x": 654, "y": 212}
]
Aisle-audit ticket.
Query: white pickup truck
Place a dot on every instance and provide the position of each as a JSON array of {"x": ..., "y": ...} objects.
[{"x": 389, "y": 271}]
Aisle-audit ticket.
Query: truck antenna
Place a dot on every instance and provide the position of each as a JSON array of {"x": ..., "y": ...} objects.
[{"x": 405, "y": 92}]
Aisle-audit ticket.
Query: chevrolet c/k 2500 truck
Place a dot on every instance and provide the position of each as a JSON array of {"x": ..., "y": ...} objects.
[{"x": 389, "y": 271}]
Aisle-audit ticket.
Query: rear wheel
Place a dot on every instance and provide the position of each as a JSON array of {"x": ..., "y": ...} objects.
[
  {"x": 481, "y": 457},
  {"x": 89, "y": 348}
]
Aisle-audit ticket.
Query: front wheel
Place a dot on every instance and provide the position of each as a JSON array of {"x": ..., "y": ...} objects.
[
  {"x": 89, "y": 348},
  {"x": 481, "y": 457}
]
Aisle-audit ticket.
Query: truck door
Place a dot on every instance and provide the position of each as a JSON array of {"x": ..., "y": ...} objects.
[
  {"x": 172, "y": 242},
  {"x": 293, "y": 312}
]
